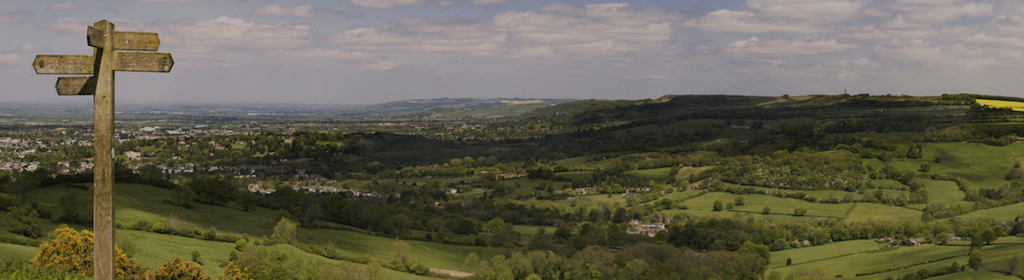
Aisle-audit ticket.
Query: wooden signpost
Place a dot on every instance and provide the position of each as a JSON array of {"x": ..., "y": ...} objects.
[{"x": 101, "y": 66}]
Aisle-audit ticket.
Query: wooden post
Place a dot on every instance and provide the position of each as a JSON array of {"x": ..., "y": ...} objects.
[
  {"x": 101, "y": 65},
  {"x": 103, "y": 158}
]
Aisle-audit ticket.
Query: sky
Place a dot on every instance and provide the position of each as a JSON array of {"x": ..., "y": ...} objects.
[{"x": 373, "y": 51}]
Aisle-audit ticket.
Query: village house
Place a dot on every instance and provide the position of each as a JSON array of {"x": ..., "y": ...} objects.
[{"x": 638, "y": 227}]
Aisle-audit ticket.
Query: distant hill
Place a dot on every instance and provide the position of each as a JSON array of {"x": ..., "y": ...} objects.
[{"x": 452, "y": 107}]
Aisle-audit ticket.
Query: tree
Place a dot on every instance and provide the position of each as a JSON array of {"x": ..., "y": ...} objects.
[
  {"x": 183, "y": 194},
  {"x": 767, "y": 210},
  {"x": 717, "y": 206},
  {"x": 941, "y": 238},
  {"x": 989, "y": 235},
  {"x": 471, "y": 263},
  {"x": 247, "y": 201},
  {"x": 799, "y": 211},
  {"x": 977, "y": 241},
  {"x": 974, "y": 261},
  {"x": 75, "y": 208},
  {"x": 24, "y": 221},
  {"x": 178, "y": 269},
  {"x": 789, "y": 261},
  {"x": 286, "y": 230},
  {"x": 73, "y": 251},
  {"x": 212, "y": 190},
  {"x": 563, "y": 232},
  {"x": 756, "y": 249},
  {"x": 739, "y": 200},
  {"x": 925, "y": 167}
]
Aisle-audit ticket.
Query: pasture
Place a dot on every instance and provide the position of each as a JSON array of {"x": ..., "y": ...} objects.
[
  {"x": 983, "y": 165},
  {"x": 881, "y": 212}
]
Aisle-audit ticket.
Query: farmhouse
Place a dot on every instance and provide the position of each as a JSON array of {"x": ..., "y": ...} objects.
[
  {"x": 637, "y": 227},
  {"x": 914, "y": 241}
]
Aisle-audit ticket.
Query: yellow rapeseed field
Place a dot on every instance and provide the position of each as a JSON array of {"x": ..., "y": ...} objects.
[{"x": 1000, "y": 104}]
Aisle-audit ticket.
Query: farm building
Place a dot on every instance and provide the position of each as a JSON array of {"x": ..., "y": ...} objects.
[
  {"x": 914, "y": 241},
  {"x": 638, "y": 227}
]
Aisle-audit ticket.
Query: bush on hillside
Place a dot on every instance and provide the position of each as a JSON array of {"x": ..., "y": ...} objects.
[
  {"x": 177, "y": 269},
  {"x": 73, "y": 251}
]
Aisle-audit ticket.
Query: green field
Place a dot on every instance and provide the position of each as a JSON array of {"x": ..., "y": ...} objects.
[
  {"x": 878, "y": 260},
  {"x": 654, "y": 174},
  {"x": 18, "y": 252},
  {"x": 142, "y": 202},
  {"x": 822, "y": 252},
  {"x": 981, "y": 164},
  {"x": 1009, "y": 212},
  {"x": 881, "y": 212}
]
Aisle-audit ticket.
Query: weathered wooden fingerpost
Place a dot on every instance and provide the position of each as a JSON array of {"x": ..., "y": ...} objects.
[{"x": 101, "y": 65}]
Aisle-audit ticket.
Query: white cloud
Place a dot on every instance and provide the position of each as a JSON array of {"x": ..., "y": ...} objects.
[
  {"x": 66, "y": 6},
  {"x": 19, "y": 15},
  {"x": 423, "y": 34},
  {"x": 232, "y": 34},
  {"x": 30, "y": 48},
  {"x": 899, "y": 22},
  {"x": 651, "y": 77},
  {"x": 189, "y": 1},
  {"x": 10, "y": 58},
  {"x": 953, "y": 56},
  {"x": 942, "y": 11},
  {"x": 273, "y": 10},
  {"x": 320, "y": 53},
  {"x": 812, "y": 10},
  {"x": 554, "y": 31},
  {"x": 67, "y": 26},
  {"x": 380, "y": 66},
  {"x": 757, "y": 46},
  {"x": 729, "y": 21},
  {"x": 389, "y": 4}
]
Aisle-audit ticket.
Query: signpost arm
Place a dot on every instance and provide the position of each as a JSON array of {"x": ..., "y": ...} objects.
[{"x": 103, "y": 131}]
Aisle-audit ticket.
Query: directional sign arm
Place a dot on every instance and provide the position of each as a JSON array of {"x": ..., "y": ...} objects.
[
  {"x": 85, "y": 85},
  {"x": 64, "y": 64},
  {"x": 146, "y": 62},
  {"x": 126, "y": 40}
]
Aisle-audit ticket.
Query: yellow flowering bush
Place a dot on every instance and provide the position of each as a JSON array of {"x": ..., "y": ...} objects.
[
  {"x": 73, "y": 251},
  {"x": 177, "y": 269},
  {"x": 233, "y": 272}
]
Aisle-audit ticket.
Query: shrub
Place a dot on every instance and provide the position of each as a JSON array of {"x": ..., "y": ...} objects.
[
  {"x": 210, "y": 234},
  {"x": 767, "y": 210},
  {"x": 24, "y": 221},
  {"x": 158, "y": 227},
  {"x": 285, "y": 230},
  {"x": 233, "y": 272},
  {"x": 73, "y": 251},
  {"x": 241, "y": 244},
  {"x": 177, "y": 269},
  {"x": 974, "y": 261},
  {"x": 717, "y": 206},
  {"x": 799, "y": 211},
  {"x": 141, "y": 225},
  {"x": 196, "y": 257}
]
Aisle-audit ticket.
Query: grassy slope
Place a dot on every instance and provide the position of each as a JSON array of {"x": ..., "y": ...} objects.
[{"x": 141, "y": 202}]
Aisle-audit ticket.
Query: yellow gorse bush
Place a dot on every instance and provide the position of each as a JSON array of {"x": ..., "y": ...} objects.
[
  {"x": 73, "y": 251},
  {"x": 177, "y": 269}
]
